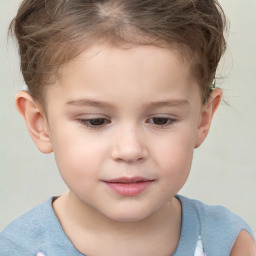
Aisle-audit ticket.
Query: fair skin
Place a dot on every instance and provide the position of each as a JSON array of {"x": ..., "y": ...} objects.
[{"x": 122, "y": 115}]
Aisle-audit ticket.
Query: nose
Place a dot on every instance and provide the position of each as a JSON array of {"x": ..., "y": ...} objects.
[{"x": 129, "y": 146}]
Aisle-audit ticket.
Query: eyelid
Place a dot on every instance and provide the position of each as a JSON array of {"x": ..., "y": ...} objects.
[
  {"x": 86, "y": 122},
  {"x": 167, "y": 116},
  {"x": 170, "y": 120},
  {"x": 91, "y": 116}
]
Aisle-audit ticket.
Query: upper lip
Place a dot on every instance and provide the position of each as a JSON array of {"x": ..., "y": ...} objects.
[{"x": 128, "y": 180}]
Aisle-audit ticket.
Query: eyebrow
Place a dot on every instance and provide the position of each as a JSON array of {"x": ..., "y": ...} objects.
[
  {"x": 103, "y": 104},
  {"x": 169, "y": 103},
  {"x": 88, "y": 102}
]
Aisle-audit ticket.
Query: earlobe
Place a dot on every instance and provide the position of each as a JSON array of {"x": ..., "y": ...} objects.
[
  {"x": 36, "y": 121},
  {"x": 207, "y": 113}
]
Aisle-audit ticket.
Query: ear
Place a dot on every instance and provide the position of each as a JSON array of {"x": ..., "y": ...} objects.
[
  {"x": 35, "y": 119},
  {"x": 207, "y": 113}
]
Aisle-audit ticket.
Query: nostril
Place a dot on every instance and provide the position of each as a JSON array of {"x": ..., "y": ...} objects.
[
  {"x": 129, "y": 145},
  {"x": 129, "y": 155}
]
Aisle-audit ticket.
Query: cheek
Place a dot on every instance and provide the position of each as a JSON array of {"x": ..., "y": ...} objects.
[
  {"x": 76, "y": 156},
  {"x": 177, "y": 148},
  {"x": 177, "y": 161},
  {"x": 175, "y": 158},
  {"x": 77, "y": 166}
]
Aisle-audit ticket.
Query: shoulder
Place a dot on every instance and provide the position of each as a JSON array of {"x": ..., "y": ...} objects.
[
  {"x": 219, "y": 227},
  {"x": 217, "y": 216},
  {"x": 11, "y": 248},
  {"x": 39, "y": 230},
  {"x": 220, "y": 219},
  {"x": 26, "y": 231},
  {"x": 214, "y": 216}
]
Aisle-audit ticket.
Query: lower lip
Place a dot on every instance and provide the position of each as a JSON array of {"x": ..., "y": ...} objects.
[{"x": 129, "y": 189}]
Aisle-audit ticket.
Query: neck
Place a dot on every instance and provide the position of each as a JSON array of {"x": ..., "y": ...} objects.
[{"x": 90, "y": 225}]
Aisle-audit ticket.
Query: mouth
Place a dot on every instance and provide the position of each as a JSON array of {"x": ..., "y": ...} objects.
[{"x": 129, "y": 186}]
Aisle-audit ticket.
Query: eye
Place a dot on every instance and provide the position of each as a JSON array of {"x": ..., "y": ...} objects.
[
  {"x": 94, "y": 122},
  {"x": 161, "y": 121}
]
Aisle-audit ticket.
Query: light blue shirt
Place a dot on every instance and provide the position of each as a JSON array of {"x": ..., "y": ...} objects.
[{"x": 39, "y": 233}]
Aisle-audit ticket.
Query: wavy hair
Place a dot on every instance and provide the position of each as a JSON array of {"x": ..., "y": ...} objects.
[{"x": 52, "y": 32}]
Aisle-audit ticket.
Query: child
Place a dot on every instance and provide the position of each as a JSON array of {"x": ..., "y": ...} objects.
[{"x": 122, "y": 92}]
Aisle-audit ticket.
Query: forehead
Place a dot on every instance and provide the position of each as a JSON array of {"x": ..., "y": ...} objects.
[
  {"x": 113, "y": 72},
  {"x": 106, "y": 58}
]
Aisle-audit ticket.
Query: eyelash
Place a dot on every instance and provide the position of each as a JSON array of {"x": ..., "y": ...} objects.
[
  {"x": 88, "y": 122},
  {"x": 163, "y": 122}
]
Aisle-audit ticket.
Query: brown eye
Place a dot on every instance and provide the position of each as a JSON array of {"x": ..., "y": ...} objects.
[
  {"x": 161, "y": 121},
  {"x": 94, "y": 123}
]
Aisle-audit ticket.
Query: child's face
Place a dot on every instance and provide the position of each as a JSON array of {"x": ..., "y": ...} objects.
[{"x": 123, "y": 125}]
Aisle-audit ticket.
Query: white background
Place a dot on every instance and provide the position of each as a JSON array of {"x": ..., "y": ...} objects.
[{"x": 224, "y": 168}]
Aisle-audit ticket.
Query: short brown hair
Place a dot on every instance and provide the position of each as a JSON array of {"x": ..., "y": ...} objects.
[{"x": 52, "y": 32}]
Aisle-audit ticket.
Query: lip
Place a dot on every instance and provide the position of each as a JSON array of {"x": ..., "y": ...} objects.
[{"x": 129, "y": 186}]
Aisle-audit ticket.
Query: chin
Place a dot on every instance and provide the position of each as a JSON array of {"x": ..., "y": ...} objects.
[
  {"x": 132, "y": 215},
  {"x": 125, "y": 219}
]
